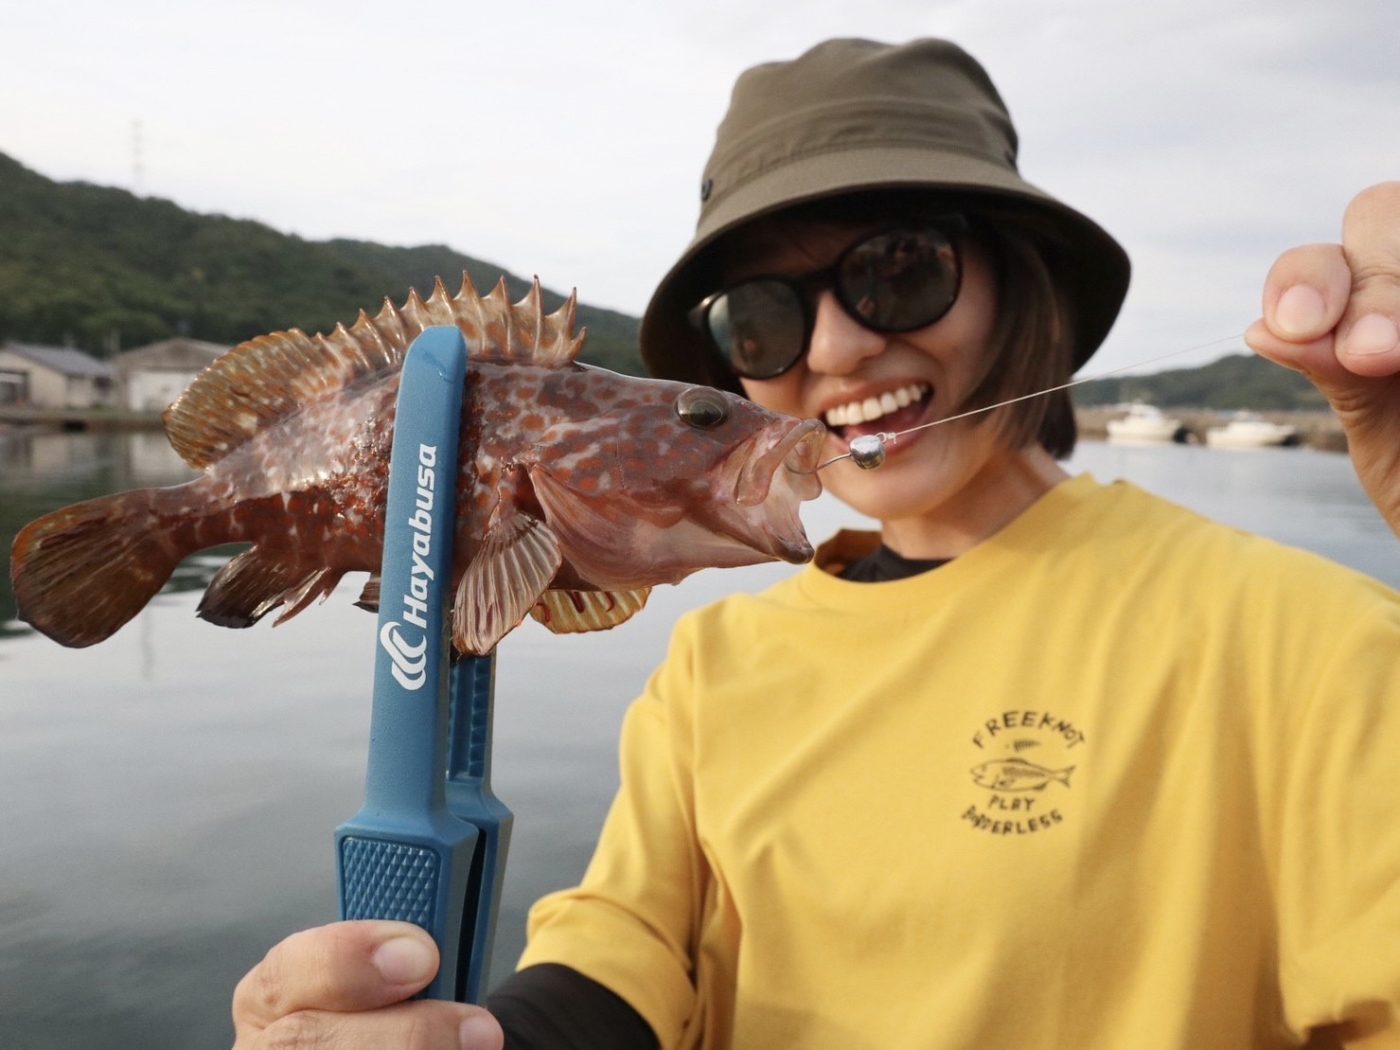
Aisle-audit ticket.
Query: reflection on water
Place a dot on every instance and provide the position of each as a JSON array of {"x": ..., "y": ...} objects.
[{"x": 170, "y": 795}]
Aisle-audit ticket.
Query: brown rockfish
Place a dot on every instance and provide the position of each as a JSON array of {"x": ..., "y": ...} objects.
[{"x": 577, "y": 488}]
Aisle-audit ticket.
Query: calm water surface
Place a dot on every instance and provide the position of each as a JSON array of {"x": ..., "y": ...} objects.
[{"x": 170, "y": 795}]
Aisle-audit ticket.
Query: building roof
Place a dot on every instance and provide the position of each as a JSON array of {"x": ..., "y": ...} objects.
[
  {"x": 62, "y": 359},
  {"x": 180, "y": 353}
]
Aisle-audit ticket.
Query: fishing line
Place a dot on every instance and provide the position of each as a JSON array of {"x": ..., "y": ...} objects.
[{"x": 868, "y": 450}]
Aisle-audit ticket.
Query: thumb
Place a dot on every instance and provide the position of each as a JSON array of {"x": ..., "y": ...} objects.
[
  {"x": 1332, "y": 311},
  {"x": 1368, "y": 338},
  {"x": 343, "y": 967}
]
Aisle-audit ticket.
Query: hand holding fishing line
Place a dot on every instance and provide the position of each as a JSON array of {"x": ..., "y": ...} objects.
[{"x": 1332, "y": 312}]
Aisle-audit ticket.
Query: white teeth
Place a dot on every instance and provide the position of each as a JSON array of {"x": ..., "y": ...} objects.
[{"x": 872, "y": 408}]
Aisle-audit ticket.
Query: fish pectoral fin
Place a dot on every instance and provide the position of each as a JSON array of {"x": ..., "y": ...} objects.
[
  {"x": 518, "y": 556},
  {"x": 256, "y": 582},
  {"x": 369, "y": 594},
  {"x": 574, "y": 612}
]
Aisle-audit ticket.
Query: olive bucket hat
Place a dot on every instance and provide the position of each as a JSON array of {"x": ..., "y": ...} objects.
[{"x": 855, "y": 116}]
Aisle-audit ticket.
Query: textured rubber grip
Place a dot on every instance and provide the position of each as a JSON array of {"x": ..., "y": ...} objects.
[{"x": 389, "y": 880}]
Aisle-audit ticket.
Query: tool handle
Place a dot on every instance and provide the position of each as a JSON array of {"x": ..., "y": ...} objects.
[
  {"x": 472, "y": 709},
  {"x": 470, "y": 798},
  {"x": 405, "y": 855}
]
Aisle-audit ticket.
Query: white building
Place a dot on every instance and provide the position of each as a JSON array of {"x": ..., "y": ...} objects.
[
  {"x": 151, "y": 377},
  {"x": 53, "y": 377}
]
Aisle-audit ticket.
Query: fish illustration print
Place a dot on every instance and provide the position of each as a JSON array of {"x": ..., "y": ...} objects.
[
  {"x": 1016, "y": 774},
  {"x": 578, "y": 489}
]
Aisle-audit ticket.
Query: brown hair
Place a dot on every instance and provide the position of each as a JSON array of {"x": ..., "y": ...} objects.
[{"x": 1033, "y": 342}]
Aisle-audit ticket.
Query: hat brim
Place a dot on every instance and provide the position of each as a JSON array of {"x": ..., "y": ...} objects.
[{"x": 1092, "y": 266}]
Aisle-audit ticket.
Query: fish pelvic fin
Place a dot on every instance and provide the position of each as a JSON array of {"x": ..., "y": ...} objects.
[
  {"x": 267, "y": 379},
  {"x": 369, "y": 594},
  {"x": 574, "y": 612},
  {"x": 82, "y": 572},
  {"x": 518, "y": 556},
  {"x": 253, "y": 584}
]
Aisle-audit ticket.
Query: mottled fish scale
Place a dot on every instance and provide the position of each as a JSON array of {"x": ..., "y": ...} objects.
[{"x": 578, "y": 488}]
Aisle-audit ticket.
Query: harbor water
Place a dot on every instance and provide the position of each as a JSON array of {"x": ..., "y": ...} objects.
[{"x": 169, "y": 796}]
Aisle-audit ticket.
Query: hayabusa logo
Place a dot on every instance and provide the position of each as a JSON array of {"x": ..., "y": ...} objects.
[{"x": 410, "y": 659}]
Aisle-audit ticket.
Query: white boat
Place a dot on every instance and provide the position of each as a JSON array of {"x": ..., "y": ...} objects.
[
  {"x": 1250, "y": 430},
  {"x": 1143, "y": 423}
]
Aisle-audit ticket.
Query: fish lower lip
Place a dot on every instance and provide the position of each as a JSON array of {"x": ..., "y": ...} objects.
[{"x": 799, "y": 550}]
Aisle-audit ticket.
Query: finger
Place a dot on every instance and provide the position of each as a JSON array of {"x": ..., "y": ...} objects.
[
  {"x": 1368, "y": 338},
  {"x": 1306, "y": 293},
  {"x": 1316, "y": 359},
  {"x": 1305, "y": 296},
  {"x": 424, "y": 1025},
  {"x": 343, "y": 967}
]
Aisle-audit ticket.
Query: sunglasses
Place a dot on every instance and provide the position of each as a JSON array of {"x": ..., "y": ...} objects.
[{"x": 898, "y": 280}]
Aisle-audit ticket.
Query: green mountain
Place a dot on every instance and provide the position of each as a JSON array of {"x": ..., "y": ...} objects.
[
  {"x": 1233, "y": 382},
  {"x": 105, "y": 270}
]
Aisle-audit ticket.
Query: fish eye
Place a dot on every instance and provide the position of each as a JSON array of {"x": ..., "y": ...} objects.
[{"x": 701, "y": 408}]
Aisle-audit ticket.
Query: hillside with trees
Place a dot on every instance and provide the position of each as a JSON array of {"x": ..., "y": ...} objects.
[
  {"x": 104, "y": 270},
  {"x": 1234, "y": 382}
]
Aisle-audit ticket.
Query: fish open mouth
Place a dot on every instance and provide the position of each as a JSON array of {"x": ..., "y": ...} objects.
[
  {"x": 797, "y": 451},
  {"x": 777, "y": 476}
]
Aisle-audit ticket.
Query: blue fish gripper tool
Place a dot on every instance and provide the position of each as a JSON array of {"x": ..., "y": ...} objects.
[{"x": 429, "y": 845}]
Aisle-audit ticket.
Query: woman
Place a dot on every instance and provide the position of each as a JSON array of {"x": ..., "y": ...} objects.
[{"x": 1043, "y": 763}]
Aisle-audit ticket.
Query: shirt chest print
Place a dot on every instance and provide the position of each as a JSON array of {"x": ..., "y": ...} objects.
[{"x": 1021, "y": 770}]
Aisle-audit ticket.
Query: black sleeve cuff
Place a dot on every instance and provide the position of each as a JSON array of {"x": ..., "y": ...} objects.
[{"x": 554, "y": 1007}]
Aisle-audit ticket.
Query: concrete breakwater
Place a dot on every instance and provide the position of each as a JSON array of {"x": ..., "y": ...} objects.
[
  {"x": 76, "y": 419},
  {"x": 1317, "y": 429}
]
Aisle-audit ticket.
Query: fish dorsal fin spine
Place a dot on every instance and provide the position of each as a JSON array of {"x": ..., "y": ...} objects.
[{"x": 269, "y": 378}]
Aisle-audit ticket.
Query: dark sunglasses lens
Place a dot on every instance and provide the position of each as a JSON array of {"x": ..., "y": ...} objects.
[
  {"x": 899, "y": 281},
  {"x": 759, "y": 327}
]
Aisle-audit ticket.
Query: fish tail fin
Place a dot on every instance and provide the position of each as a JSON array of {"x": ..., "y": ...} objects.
[
  {"x": 1062, "y": 775},
  {"x": 83, "y": 571}
]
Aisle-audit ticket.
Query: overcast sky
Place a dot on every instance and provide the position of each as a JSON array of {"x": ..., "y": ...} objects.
[{"x": 566, "y": 139}]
